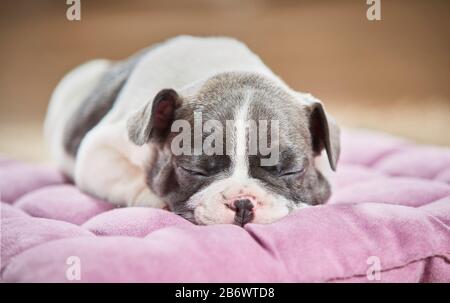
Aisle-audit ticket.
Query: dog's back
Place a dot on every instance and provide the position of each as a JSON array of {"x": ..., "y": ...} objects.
[{"x": 66, "y": 99}]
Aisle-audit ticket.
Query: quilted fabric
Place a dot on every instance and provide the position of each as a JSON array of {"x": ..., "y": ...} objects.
[{"x": 390, "y": 209}]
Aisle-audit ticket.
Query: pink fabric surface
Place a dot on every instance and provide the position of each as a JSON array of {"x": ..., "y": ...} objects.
[{"x": 391, "y": 202}]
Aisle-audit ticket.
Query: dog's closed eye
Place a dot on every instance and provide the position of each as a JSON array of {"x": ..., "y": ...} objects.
[
  {"x": 287, "y": 169},
  {"x": 292, "y": 172},
  {"x": 193, "y": 171},
  {"x": 276, "y": 170}
]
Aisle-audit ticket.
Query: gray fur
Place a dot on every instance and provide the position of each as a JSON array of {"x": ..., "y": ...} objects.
[{"x": 98, "y": 103}]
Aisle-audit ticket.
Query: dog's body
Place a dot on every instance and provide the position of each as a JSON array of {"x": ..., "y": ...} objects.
[{"x": 106, "y": 132}]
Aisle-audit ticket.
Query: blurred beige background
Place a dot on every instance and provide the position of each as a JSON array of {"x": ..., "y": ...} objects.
[{"x": 391, "y": 75}]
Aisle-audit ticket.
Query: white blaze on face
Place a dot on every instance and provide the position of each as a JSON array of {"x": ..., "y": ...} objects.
[{"x": 239, "y": 156}]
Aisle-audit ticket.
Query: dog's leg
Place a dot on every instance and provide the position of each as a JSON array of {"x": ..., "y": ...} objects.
[{"x": 110, "y": 167}]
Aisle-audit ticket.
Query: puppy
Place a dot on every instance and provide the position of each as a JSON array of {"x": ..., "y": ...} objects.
[{"x": 111, "y": 126}]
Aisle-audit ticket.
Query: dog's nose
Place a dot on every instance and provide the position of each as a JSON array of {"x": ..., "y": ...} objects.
[{"x": 244, "y": 214}]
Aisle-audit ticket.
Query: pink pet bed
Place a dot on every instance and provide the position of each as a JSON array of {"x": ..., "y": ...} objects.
[{"x": 388, "y": 220}]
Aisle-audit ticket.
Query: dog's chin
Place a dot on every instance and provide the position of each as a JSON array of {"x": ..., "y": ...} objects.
[
  {"x": 203, "y": 215},
  {"x": 206, "y": 214}
]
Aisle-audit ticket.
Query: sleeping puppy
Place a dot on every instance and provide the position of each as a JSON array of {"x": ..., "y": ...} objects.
[{"x": 135, "y": 133}]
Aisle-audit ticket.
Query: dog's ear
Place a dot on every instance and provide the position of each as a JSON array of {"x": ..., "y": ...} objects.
[
  {"x": 324, "y": 131},
  {"x": 153, "y": 121}
]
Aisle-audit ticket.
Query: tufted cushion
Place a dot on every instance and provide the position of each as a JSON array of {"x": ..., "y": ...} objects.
[{"x": 391, "y": 203}]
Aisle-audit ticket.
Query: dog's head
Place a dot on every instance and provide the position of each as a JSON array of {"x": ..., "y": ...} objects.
[{"x": 237, "y": 148}]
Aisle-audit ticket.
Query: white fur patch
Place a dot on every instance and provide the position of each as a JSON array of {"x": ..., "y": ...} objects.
[
  {"x": 210, "y": 204},
  {"x": 66, "y": 98},
  {"x": 239, "y": 156}
]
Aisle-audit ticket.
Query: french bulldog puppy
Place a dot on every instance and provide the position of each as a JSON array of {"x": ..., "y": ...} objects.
[{"x": 111, "y": 126}]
